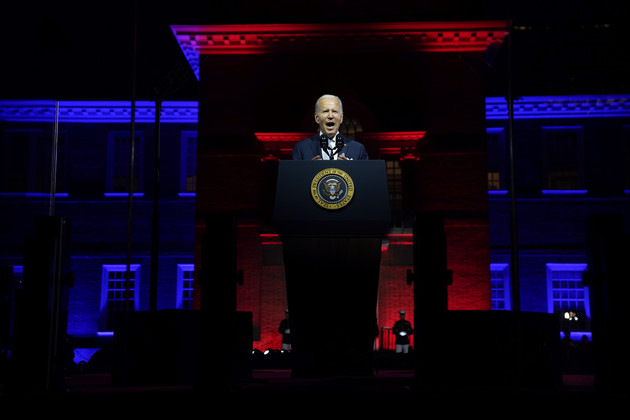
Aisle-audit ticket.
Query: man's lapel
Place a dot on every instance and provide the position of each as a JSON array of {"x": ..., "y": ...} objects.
[
  {"x": 344, "y": 149},
  {"x": 315, "y": 146}
]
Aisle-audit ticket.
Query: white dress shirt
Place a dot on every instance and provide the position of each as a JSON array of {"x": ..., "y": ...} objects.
[{"x": 331, "y": 146}]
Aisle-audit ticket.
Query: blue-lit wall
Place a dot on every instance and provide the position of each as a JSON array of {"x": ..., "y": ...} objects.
[
  {"x": 99, "y": 221},
  {"x": 552, "y": 223},
  {"x": 551, "y": 226}
]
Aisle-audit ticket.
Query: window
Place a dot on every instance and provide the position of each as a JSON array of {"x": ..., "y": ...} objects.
[
  {"x": 501, "y": 298},
  {"x": 118, "y": 295},
  {"x": 497, "y": 159},
  {"x": 185, "y": 282},
  {"x": 565, "y": 289},
  {"x": 562, "y": 158},
  {"x": 17, "y": 277},
  {"x": 626, "y": 157},
  {"x": 394, "y": 181},
  {"x": 395, "y": 186},
  {"x": 118, "y": 151},
  {"x": 494, "y": 180},
  {"x": 350, "y": 126},
  {"x": 188, "y": 163},
  {"x": 26, "y": 162}
]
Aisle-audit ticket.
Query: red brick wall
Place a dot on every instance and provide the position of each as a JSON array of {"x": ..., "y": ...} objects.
[
  {"x": 394, "y": 294},
  {"x": 468, "y": 257},
  {"x": 264, "y": 290}
]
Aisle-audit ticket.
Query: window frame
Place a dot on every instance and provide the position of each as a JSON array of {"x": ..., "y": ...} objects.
[
  {"x": 38, "y": 161},
  {"x": 188, "y": 163},
  {"x": 105, "y": 283},
  {"x": 182, "y": 288},
  {"x": 552, "y": 268},
  {"x": 112, "y": 162},
  {"x": 504, "y": 269},
  {"x": 546, "y": 133},
  {"x": 502, "y": 164}
]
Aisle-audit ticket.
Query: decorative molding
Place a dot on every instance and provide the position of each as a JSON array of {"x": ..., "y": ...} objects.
[
  {"x": 97, "y": 111},
  {"x": 281, "y": 138},
  {"x": 578, "y": 106},
  {"x": 197, "y": 40},
  {"x": 399, "y": 143},
  {"x": 402, "y": 137}
]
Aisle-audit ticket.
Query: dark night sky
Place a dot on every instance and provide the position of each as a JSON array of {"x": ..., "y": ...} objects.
[
  {"x": 76, "y": 50},
  {"x": 84, "y": 50}
]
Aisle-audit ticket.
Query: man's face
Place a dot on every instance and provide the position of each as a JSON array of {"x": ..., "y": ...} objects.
[{"x": 329, "y": 116}]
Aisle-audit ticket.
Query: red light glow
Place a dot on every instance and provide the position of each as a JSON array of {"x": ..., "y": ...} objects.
[{"x": 410, "y": 36}]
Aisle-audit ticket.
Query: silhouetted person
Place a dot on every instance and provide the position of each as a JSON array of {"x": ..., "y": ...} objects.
[
  {"x": 402, "y": 330},
  {"x": 569, "y": 352},
  {"x": 285, "y": 330}
]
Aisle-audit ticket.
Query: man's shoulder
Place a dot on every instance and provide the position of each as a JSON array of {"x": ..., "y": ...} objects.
[{"x": 308, "y": 139}]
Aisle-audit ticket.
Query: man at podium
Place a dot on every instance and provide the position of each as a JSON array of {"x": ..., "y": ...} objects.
[
  {"x": 329, "y": 144},
  {"x": 331, "y": 216}
]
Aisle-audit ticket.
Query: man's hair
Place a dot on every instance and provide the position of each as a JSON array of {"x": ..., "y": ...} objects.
[{"x": 328, "y": 96}]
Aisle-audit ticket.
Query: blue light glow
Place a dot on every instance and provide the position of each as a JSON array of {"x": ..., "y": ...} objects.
[
  {"x": 577, "y": 335},
  {"x": 564, "y": 106},
  {"x": 565, "y": 192},
  {"x": 97, "y": 111},
  {"x": 32, "y": 194},
  {"x": 537, "y": 107},
  {"x": 123, "y": 194},
  {"x": 83, "y": 355}
]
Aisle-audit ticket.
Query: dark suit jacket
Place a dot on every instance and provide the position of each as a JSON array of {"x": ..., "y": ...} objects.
[{"x": 308, "y": 148}]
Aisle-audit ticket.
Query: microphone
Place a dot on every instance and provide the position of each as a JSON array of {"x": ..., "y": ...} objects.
[
  {"x": 339, "y": 143},
  {"x": 323, "y": 143}
]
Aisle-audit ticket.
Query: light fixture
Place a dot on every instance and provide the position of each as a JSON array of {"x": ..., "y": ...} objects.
[{"x": 570, "y": 316}]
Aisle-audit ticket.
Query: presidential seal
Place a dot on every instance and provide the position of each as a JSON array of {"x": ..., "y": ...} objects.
[{"x": 332, "y": 188}]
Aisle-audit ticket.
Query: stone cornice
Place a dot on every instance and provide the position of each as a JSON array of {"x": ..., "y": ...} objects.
[
  {"x": 578, "y": 106},
  {"x": 97, "y": 111},
  {"x": 196, "y": 40},
  {"x": 397, "y": 136},
  {"x": 399, "y": 143}
]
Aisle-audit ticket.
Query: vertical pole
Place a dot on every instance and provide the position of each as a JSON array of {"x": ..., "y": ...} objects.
[
  {"x": 514, "y": 266},
  {"x": 53, "y": 162},
  {"x": 156, "y": 212},
  {"x": 131, "y": 178}
]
